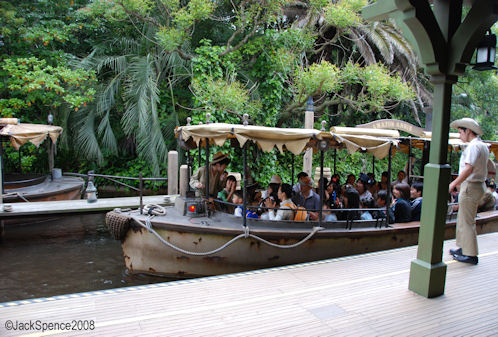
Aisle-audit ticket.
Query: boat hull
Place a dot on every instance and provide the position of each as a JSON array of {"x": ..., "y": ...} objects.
[
  {"x": 65, "y": 188},
  {"x": 145, "y": 253}
]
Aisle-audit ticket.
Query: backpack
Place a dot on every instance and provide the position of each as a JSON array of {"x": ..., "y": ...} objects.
[{"x": 300, "y": 213}]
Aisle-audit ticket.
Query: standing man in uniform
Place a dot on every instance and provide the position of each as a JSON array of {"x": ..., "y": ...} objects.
[{"x": 471, "y": 176}]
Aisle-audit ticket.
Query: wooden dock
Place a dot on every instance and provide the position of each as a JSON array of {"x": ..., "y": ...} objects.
[
  {"x": 364, "y": 295},
  {"x": 23, "y": 209}
]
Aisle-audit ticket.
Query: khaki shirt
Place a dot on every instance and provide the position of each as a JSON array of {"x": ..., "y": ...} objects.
[
  {"x": 215, "y": 185},
  {"x": 476, "y": 154}
]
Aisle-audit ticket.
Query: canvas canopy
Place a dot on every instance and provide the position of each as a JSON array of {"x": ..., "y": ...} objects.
[
  {"x": 20, "y": 134},
  {"x": 294, "y": 140}
]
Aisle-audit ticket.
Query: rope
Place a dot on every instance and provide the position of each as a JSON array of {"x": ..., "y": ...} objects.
[
  {"x": 153, "y": 209},
  {"x": 15, "y": 194},
  {"x": 148, "y": 225}
]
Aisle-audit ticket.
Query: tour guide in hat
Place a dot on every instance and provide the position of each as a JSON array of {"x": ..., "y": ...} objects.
[
  {"x": 471, "y": 176},
  {"x": 216, "y": 167}
]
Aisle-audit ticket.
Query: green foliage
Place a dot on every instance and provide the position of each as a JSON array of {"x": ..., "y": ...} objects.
[
  {"x": 344, "y": 13},
  {"x": 36, "y": 82},
  {"x": 476, "y": 96},
  {"x": 170, "y": 38},
  {"x": 318, "y": 78}
]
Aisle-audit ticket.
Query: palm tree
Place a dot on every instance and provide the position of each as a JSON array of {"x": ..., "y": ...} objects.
[{"x": 132, "y": 72}]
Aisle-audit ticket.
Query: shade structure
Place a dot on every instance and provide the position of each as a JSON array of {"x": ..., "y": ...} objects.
[
  {"x": 291, "y": 139},
  {"x": 20, "y": 134}
]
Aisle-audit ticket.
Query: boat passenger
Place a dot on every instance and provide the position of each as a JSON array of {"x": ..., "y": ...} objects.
[
  {"x": 351, "y": 199},
  {"x": 381, "y": 203},
  {"x": 401, "y": 178},
  {"x": 216, "y": 167},
  {"x": 226, "y": 193},
  {"x": 362, "y": 187},
  {"x": 287, "y": 207},
  {"x": 297, "y": 187},
  {"x": 308, "y": 198},
  {"x": 366, "y": 203},
  {"x": 239, "y": 199},
  {"x": 327, "y": 215},
  {"x": 488, "y": 201},
  {"x": 332, "y": 195},
  {"x": 273, "y": 187},
  {"x": 351, "y": 179},
  {"x": 401, "y": 206},
  {"x": 416, "y": 203},
  {"x": 382, "y": 184}
]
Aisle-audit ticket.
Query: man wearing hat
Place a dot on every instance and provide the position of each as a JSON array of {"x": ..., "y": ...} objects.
[
  {"x": 216, "y": 167},
  {"x": 471, "y": 176}
]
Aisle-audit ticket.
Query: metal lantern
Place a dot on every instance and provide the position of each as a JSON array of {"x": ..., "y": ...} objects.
[
  {"x": 486, "y": 52},
  {"x": 91, "y": 192}
]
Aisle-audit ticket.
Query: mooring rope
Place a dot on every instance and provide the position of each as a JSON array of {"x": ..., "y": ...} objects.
[
  {"x": 148, "y": 225},
  {"x": 18, "y": 194}
]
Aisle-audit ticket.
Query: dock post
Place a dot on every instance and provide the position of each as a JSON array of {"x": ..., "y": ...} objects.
[
  {"x": 141, "y": 184},
  {"x": 172, "y": 172},
  {"x": 308, "y": 124},
  {"x": 183, "y": 180}
]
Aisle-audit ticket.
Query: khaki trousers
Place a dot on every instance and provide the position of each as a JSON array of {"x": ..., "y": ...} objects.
[{"x": 468, "y": 199}]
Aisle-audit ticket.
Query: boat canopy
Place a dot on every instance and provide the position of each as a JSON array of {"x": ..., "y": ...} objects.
[
  {"x": 22, "y": 133},
  {"x": 453, "y": 144},
  {"x": 294, "y": 140}
]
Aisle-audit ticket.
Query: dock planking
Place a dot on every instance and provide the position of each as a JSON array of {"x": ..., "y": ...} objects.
[
  {"x": 80, "y": 206},
  {"x": 350, "y": 296}
]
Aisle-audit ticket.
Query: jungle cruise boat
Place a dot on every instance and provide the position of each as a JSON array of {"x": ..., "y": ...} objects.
[
  {"x": 192, "y": 238},
  {"x": 19, "y": 187}
]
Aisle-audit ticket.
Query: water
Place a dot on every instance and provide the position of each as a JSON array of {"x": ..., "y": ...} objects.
[{"x": 42, "y": 267}]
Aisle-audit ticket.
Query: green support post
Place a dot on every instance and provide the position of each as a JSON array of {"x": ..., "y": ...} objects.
[
  {"x": 445, "y": 44},
  {"x": 428, "y": 272}
]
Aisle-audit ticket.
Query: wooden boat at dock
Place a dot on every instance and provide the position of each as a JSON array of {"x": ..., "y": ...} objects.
[
  {"x": 36, "y": 187},
  {"x": 43, "y": 188},
  {"x": 190, "y": 239}
]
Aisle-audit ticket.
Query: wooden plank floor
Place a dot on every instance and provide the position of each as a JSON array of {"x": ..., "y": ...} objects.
[
  {"x": 80, "y": 206},
  {"x": 364, "y": 295}
]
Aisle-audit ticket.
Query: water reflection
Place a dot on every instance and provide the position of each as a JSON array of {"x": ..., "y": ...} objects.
[{"x": 63, "y": 265}]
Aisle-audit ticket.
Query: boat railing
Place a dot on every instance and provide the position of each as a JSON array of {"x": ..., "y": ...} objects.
[
  {"x": 378, "y": 220},
  {"x": 379, "y": 217},
  {"x": 91, "y": 175}
]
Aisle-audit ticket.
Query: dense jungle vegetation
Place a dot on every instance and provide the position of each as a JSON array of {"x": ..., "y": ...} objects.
[{"x": 119, "y": 75}]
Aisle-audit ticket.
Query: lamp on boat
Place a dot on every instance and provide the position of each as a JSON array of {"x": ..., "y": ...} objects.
[
  {"x": 486, "y": 53},
  {"x": 91, "y": 192},
  {"x": 50, "y": 119}
]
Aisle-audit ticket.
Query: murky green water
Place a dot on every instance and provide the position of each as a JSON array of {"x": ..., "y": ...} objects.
[{"x": 42, "y": 267}]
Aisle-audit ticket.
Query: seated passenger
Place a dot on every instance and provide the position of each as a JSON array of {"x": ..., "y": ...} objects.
[
  {"x": 488, "y": 201},
  {"x": 366, "y": 203},
  {"x": 287, "y": 207},
  {"x": 401, "y": 206},
  {"x": 416, "y": 203},
  {"x": 401, "y": 178},
  {"x": 362, "y": 187},
  {"x": 227, "y": 192},
  {"x": 273, "y": 187},
  {"x": 297, "y": 187},
  {"x": 351, "y": 199},
  {"x": 381, "y": 203},
  {"x": 238, "y": 199},
  {"x": 308, "y": 198},
  {"x": 328, "y": 216},
  {"x": 382, "y": 184},
  {"x": 351, "y": 179}
]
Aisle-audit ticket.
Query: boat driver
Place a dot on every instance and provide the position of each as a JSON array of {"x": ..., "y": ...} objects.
[{"x": 216, "y": 167}]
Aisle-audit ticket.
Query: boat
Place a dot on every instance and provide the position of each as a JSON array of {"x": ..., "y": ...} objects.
[
  {"x": 36, "y": 187},
  {"x": 192, "y": 239}
]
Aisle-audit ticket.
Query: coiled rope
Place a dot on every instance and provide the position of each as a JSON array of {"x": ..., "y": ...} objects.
[{"x": 148, "y": 225}]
